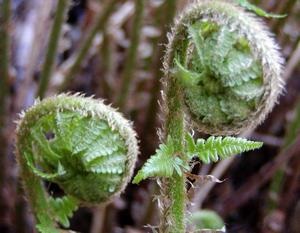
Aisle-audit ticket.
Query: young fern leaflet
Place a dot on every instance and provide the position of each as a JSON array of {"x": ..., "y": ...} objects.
[{"x": 164, "y": 162}]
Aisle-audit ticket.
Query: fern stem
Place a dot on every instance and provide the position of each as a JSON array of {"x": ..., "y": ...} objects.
[
  {"x": 99, "y": 25},
  {"x": 128, "y": 72},
  {"x": 36, "y": 195},
  {"x": 83, "y": 177},
  {"x": 52, "y": 47},
  {"x": 173, "y": 212},
  {"x": 174, "y": 188}
]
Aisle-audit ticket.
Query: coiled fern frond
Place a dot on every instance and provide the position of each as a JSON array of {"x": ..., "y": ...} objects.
[
  {"x": 228, "y": 66},
  {"x": 84, "y": 146}
]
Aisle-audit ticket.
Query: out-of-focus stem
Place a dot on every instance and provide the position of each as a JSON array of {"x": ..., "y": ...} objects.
[
  {"x": 4, "y": 57},
  {"x": 98, "y": 219},
  {"x": 4, "y": 84},
  {"x": 99, "y": 25},
  {"x": 250, "y": 187},
  {"x": 105, "y": 52},
  {"x": 286, "y": 9},
  {"x": 128, "y": 72},
  {"x": 277, "y": 183},
  {"x": 5, "y": 222},
  {"x": 52, "y": 47},
  {"x": 292, "y": 62}
]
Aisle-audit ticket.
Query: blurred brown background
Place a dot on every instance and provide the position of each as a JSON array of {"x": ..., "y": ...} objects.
[{"x": 261, "y": 189}]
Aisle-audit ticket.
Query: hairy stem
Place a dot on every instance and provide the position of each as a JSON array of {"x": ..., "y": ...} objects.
[
  {"x": 173, "y": 214},
  {"x": 36, "y": 195},
  {"x": 99, "y": 25},
  {"x": 173, "y": 220},
  {"x": 52, "y": 47},
  {"x": 132, "y": 52}
]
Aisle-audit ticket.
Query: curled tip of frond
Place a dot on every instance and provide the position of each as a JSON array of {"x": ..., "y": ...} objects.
[
  {"x": 99, "y": 139},
  {"x": 228, "y": 65}
]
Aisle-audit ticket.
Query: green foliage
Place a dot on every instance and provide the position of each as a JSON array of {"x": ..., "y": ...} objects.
[
  {"x": 226, "y": 64},
  {"x": 221, "y": 76},
  {"x": 45, "y": 225},
  {"x": 60, "y": 170},
  {"x": 84, "y": 146},
  {"x": 80, "y": 155},
  {"x": 250, "y": 7},
  {"x": 215, "y": 148},
  {"x": 162, "y": 164},
  {"x": 63, "y": 209},
  {"x": 73, "y": 147},
  {"x": 60, "y": 209},
  {"x": 166, "y": 159},
  {"x": 206, "y": 219}
]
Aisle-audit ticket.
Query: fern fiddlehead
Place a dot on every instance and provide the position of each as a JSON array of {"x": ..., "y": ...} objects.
[
  {"x": 223, "y": 71},
  {"x": 228, "y": 65},
  {"x": 84, "y": 146}
]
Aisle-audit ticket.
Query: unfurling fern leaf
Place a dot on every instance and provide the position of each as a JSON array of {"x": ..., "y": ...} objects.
[
  {"x": 84, "y": 146},
  {"x": 227, "y": 66},
  {"x": 222, "y": 70},
  {"x": 161, "y": 164},
  {"x": 215, "y": 148}
]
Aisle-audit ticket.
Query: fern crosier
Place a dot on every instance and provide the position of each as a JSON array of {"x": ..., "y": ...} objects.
[
  {"x": 227, "y": 64},
  {"x": 84, "y": 146}
]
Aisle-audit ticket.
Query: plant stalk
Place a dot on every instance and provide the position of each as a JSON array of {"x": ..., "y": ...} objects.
[
  {"x": 4, "y": 57},
  {"x": 129, "y": 67},
  {"x": 286, "y": 9},
  {"x": 5, "y": 207},
  {"x": 52, "y": 47},
  {"x": 173, "y": 218},
  {"x": 277, "y": 183},
  {"x": 37, "y": 197},
  {"x": 99, "y": 25},
  {"x": 104, "y": 88}
]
